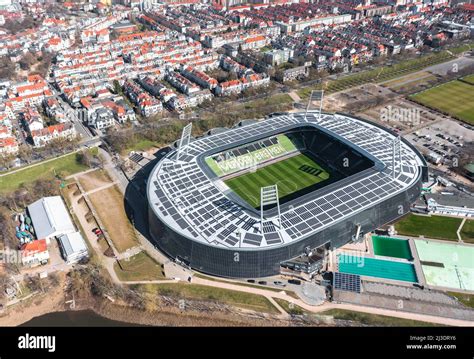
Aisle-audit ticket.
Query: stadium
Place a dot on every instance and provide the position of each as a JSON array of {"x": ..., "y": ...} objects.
[{"x": 248, "y": 201}]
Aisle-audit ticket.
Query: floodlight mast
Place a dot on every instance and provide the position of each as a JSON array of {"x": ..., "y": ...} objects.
[
  {"x": 396, "y": 154},
  {"x": 316, "y": 95},
  {"x": 269, "y": 195},
  {"x": 184, "y": 141}
]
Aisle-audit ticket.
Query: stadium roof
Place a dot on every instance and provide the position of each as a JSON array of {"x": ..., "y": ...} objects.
[{"x": 195, "y": 203}]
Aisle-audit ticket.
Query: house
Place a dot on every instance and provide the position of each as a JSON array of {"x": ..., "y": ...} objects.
[
  {"x": 33, "y": 120},
  {"x": 34, "y": 253},
  {"x": 8, "y": 146},
  {"x": 44, "y": 136},
  {"x": 50, "y": 218},
  {"x": 73, "y": 247},
  {"x": 101, "y": 118}
]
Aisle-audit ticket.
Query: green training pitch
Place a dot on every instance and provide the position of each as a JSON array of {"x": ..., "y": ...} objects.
[
  {"x": 290, "y": 175},
  {"x": 453, "y": 98}
]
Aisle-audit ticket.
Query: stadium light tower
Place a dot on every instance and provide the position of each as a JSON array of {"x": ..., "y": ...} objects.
[
  {"x": 269, "y": 195},
  {"x": 315, "y": 97},
  {"x": 396, "y": 154},
  {"x": 184, "y": 142}
]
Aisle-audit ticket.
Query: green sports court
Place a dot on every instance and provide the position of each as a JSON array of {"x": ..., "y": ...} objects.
[
  {"x": 378, "y": 268},
  {"x": 449, "y": 265}
]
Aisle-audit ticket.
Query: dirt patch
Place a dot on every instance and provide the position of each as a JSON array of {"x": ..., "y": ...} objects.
[
  {"x": 94, "y": 180},
  {"x": 109, "y": 205}
]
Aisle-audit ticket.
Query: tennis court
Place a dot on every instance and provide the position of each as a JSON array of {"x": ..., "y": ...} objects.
[
  {"x": 391, "y": 247},
  {"x": 378, "y": 268},
  {"x": 448, "y": 265}
]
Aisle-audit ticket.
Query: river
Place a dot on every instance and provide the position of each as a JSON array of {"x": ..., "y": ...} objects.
[{"x": 80, "y": 318}]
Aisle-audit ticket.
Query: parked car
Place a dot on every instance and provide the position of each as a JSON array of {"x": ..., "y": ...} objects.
[
  {"x": 262, "y": 282},
  {"x": 281, "y": 284},
  {"x": 251, "y": 280},
  {"x": 294, "y": 281}
]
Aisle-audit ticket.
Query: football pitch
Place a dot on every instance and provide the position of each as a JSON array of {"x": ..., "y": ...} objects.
[
  {"x": 453, "y": 98},
  {"x": 290, "y": 175}
]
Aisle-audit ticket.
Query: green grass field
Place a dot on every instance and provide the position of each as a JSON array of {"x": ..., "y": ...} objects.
[
  {"x": 290, "y": 175},
  {"x": 467, "y": 231},
  {"x": 453, "y": 98},
  {"x": 250, "y": 159},
  {"x": 64, "y": 166},
  {"x": 469, "y": 79},
  {"x": 437, "y": 227}
]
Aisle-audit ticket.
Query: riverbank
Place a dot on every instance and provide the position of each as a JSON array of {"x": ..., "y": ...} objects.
[
  {"x": 53, "y": 302},
  {"x": 28, "y": 309}
]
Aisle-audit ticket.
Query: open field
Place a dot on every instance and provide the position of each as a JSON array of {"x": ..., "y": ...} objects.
[
  {"x": 63, "y": 166},
  {"x": 139, "y": 267},
  {"x": 453, "y": 98},
  {"x": 291, "y": 175},
  {"x": 374, "y": 319},
  {"x": 109, "y": 204},
  {"x": 429, "y": 226},
  {"x": 467, "y": 231},
  {"x": 94, "y": 179},
  {"x": 185, "y": 291}
]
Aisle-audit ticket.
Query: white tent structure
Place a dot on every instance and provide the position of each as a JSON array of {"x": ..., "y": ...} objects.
[{"x": 50, "y": 218}]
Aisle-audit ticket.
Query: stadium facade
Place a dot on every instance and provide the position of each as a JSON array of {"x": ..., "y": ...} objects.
[{"x": 196, "y": 219}]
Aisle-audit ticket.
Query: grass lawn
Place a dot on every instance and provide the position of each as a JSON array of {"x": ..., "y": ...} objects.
[
  {"x": 244, "y": 300},
  {"x": 141, "y": 146},
  {"x": 467, "y": 231},
  {"x": 375, "y": 319},
  {"x": 139, "y": 267},
  {"x": 291, "y": 308},
  {"x": 109, "y": 204},
  {"x": 466, "y": 299},
  {"x": 291, "y": 175},
  {"x": 453, "y": 98},
  {"x": 65, "y": 166},
  {"x": 437, "y": 227},
  {"x": 243, "y": 284},
  {"x": 469, "y": 79}
]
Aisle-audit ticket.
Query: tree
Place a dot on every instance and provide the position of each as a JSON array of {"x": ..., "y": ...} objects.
[
  {"x": 84, "y": 158},
  {"x": 25, "y": 153},
  {"x": 27, "y": 61}
]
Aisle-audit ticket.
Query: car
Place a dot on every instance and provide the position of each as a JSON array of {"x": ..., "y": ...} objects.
[
  {"x": 251, "y": 280},
  {"x": 262, "y": 282},
  {"x": 294, "y": 281},
  {"x": 281, "y": 284}
]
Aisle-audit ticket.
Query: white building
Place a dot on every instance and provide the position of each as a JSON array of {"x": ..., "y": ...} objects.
[
  {"x": 73, "y": 247},
  {"x": 34, "y": 253},
  {"x": 50, "y": 218}
]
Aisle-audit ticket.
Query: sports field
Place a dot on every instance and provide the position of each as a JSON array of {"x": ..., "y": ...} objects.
[
  {"x": 453, "y": 98},
  {"x": 256, "y": 155},
  {"x": 290, "y": 175}
]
